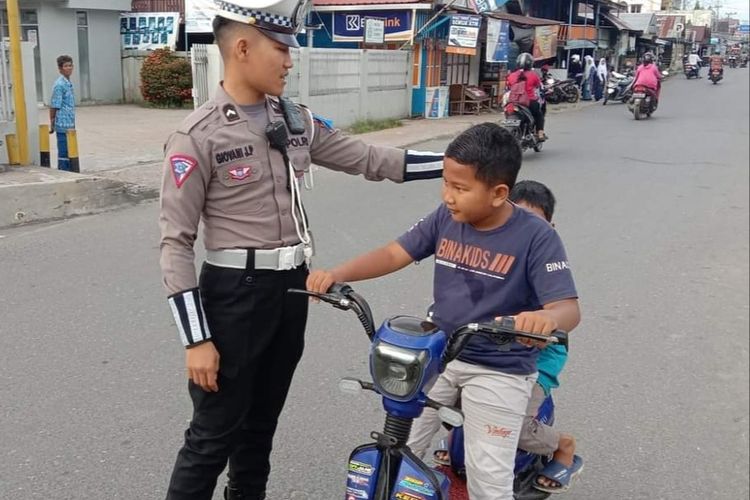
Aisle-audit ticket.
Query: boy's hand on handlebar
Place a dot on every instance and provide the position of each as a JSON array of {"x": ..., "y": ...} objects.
[
  {"x": 535, "y": 322},
  {"x": 320, "y": 281}
]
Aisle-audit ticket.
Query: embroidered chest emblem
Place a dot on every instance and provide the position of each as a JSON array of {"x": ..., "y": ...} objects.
[
  {"x": 182, "y": 167},
  {"x": 240, "y": 173}
]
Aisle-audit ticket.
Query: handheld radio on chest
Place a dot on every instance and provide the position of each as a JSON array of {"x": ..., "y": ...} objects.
[{"x": 278, "y": 138}]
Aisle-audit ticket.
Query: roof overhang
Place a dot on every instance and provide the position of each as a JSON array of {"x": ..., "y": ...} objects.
[{"x": 373, "y": 6}]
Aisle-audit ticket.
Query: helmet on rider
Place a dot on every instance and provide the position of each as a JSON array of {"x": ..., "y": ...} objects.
[
  {"x": 525, "y": 61},
  {"x": 648, "y": 58}
]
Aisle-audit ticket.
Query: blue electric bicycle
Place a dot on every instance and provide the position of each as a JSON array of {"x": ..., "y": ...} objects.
[{"x": 406, "y": 356}]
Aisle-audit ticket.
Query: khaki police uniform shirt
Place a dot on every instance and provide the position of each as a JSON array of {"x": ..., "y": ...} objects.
[{"x": 218, "y": 166}]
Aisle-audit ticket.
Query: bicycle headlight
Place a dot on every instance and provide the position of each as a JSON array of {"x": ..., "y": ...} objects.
[
  {"x": 405, "y": 358},
  {"x": 397, "y": 372}
]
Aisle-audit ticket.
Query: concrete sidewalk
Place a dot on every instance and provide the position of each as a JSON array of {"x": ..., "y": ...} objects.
[{"x": 121, "y": 149}]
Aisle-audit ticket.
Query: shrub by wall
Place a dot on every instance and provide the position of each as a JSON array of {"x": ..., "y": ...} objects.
[{"x": 166, "y": 79}]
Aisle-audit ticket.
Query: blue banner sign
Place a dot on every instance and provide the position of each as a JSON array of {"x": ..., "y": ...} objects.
[
  {"x": 743, "y": 28},
  {"x": 350, "y": 26},
  {"x": 498, "y": 42}
]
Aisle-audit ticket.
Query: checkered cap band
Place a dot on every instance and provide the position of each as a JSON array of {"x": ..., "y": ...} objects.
[{"x": 263, "y": 18}]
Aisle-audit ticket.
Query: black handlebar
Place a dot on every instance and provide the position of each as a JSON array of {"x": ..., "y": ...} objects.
[
  {"x": 342, "y": 296},
  {"x": 501, "y": 331}
]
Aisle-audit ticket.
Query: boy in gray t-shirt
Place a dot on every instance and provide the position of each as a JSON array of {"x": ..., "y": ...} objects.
[{"x": 492, "y": 259}]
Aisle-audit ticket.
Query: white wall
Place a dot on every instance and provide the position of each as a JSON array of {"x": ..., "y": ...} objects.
[
  {"x": 646, "y": 5},
  {"x": 343, "y": 85},
  {"x": 104, "y": 56},
  {"x": 58, "y": 35}
]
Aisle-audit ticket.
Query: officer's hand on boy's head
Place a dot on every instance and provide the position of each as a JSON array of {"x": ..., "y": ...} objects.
[
  {"x": 202, "y": 362},
  {"x": 320, "y": 281},
  {"x": 534, "y": 322}
]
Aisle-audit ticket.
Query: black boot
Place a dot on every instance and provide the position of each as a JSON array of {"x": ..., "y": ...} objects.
[{"x": 232, "y": 493}]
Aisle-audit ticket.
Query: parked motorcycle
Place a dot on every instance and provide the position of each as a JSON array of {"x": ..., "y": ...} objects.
[
  {"x": 619, "y": 88},
  {"x": 557, "y": 91},
  {"x": 691, "y": 71},
  {"x": 715, "y": 74},
  {"x": 520, "y": 121},
  {"x": 406, "y": 356},
  {"x": 732, "y": 62},
  {"x": 642, "y": 103}
]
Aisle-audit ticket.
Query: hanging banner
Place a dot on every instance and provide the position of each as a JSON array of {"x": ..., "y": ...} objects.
[
  {"x": 545, "y": 42},
  {"x": 350, "y": 26},
  {"x": 498, "y": 42},
  {"x": 199, "y": 14},
  {"x": 481, "y": 6},
  {"x": 374, "y": 30},
  {"x": 463, "y": 34},
  {"x": 149, "y": 30}
]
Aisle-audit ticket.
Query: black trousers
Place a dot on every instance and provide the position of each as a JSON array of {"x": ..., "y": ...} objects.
[
  {"x": 258, "y": 330},
  {"x": 536, "y": 112}
]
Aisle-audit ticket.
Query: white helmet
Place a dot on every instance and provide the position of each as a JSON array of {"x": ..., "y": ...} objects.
[{"x": 280, "y": 20}]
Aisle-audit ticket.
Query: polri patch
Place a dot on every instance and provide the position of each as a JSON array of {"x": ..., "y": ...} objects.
[
  {"x": 182, "y": 167},
  {"x": 231, "y": 113}
]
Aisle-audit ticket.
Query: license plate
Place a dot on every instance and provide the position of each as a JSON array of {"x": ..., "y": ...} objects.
[
  {"x": 512, "y": 123},
  {"x": 639, "y": 95},
  {"x": 610, "y": 91}
]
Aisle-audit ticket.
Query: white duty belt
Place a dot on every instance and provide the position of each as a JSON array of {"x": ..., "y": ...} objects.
[{"x": 277, "y": 259}]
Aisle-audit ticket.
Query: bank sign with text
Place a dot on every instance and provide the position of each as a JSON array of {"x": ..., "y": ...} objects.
[{"x": 350, "y": 26}]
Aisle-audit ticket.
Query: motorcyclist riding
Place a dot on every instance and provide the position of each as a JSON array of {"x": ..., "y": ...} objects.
[
  {"x": 695, "y": 60},
  {"x": 716, "y": 62},
  {"x": 534, "y": 90},
  {"x": 647, "y": 75}
]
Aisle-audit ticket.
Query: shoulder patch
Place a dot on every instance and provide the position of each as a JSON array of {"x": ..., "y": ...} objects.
[
  {"x": 197, "y": 117},
  {"x": 230, "y": 112},
  {"x": 323, "y": 122},
  {"x": 182, "y": 167}
]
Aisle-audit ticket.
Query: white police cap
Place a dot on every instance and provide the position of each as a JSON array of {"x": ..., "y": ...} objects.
[{"x": 280, "y": 20}]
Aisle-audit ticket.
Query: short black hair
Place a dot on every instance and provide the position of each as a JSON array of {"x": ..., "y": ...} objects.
[
  {"x": 221, "y": 27},
  {"x": 492, "y": 150},
  {"x": 61, "y": 60},
  {"x": 535, "y": 194}
]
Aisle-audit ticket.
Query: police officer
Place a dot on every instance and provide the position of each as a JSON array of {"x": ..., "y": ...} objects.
[{"x": 236, "y": 162}]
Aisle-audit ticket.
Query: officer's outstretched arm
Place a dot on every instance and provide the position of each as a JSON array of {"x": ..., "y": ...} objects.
[{"x": 337, "y": 151}]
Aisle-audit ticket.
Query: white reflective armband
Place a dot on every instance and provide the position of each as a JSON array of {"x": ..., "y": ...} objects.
[{"x": 189, "y": 316}]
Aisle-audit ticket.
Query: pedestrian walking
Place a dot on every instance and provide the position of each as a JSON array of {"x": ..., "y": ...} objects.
[
  {"x": 575, "y": 70},
  {"x": 600, "y": 79},
  {"x": 62, "y": 110},
  {"x": 236, "y": 163},
  {"x": 589, "y": 69}
]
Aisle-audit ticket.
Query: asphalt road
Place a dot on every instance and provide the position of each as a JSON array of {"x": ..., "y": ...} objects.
[{"x": 654, "y": 214}]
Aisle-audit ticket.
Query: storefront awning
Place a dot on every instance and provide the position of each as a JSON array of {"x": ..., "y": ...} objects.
[
  {"x": 579, "y": 44},
  {"x": 524, "y": 20},
  {"x": 352, "y": 5},
  {"x": 618, "y": 23}
]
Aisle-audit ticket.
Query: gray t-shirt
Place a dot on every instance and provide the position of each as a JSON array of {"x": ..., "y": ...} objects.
[{"x": 479, "y": 275}]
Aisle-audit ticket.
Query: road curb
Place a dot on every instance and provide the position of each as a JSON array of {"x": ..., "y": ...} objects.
[{"x": 36, "y": 194}]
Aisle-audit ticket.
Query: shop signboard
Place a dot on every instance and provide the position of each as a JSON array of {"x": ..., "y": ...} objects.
[
  {"x": 545, "y": 42},
  {"x": 482, "y": 6},
  {"x": 374, "y": 30},
  {"x": 498, "y": 42},
  {"x": 463, "y": 34},
  {"x": 350, "y": 26}
]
